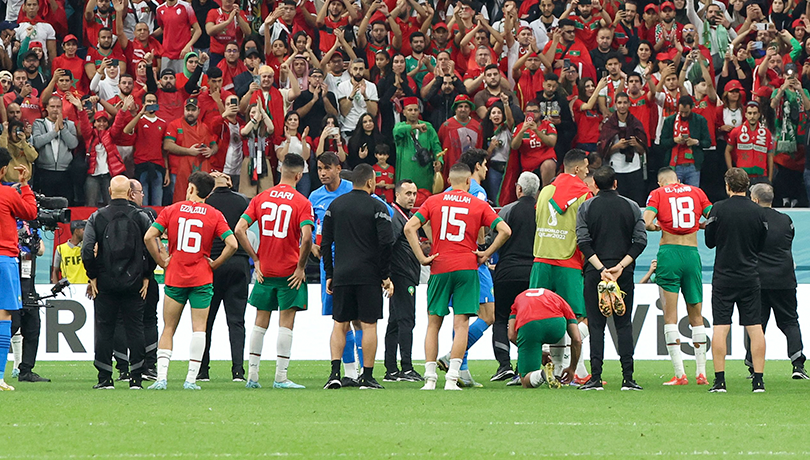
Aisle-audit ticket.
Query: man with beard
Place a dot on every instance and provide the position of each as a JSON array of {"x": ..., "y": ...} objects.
[
  {"x": 603, "y": 51},
  {"x": 252, "y": 64},
  {"x": 231, "y": 66},
  {"x": 712, "y": 30},
  {"x": 693, "y": 48},
  {"x": 517, "y": 47},
  {"x": 626, "y": 36},
  {"x": 460, "y": 132},
  {"x": 170, "y": 98},
  {"x": 378, "y": 38},
  {"x": 105, "y": 50},
  {"x": 616, "y": 80},
  {"x": 582, "y": 12},
  {"x": 493, "y": 88},
  {"x": 444, "y": 67},
  {"x": 25, "y": 97},
  {"x": 441, "y": 99},
  {"x": 34, "y": 27},
  {"x": 126, "y": 87},
  {"x": 641, "y": 101},
  {"x": 622, "y": 145},
  {"x": 271, "y": 99},
  {"x": 136, "y": 49},
  {"x": 190, "y": 145},
  {"x": 419, "y": 61},
  {"x": 529, "y": 78},
  {"x": 356, "y": 97},
  {"x": 686, "y": 136},
  {"x": 555, "y": 108},
  {"x": 542, "y": 26},
  {"x": 31, "y": 65},
  {"x": 667, "y": 33},
  {"x": 440, "y": 40},
  {"x": 315, "y": 101},
  {"x": 474, "y": 78},
  {"x": 564, "y": 44},
  {"x": 98, "y": 14},
  {"x": 227, "y": 23},
  {"x": 408, "y": 164},
  {"x": 334, "y": 14}
]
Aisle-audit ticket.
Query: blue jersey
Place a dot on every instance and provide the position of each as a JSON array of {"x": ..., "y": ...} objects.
[
  {"x": 322, "y": 198},
  {"x": 387, "y": 206},
  {"x": 475, "y": 190}
]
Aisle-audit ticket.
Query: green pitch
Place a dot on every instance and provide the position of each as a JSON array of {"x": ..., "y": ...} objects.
[{"x": 66, "y": 419}]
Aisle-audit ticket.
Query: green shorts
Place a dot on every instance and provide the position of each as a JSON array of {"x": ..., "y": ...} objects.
[
  {"x": 565, "y": 282},
  {"x": 680, "y": 268},
  {"x": 197, "y": 297},
  {"x": 274, "y": 294},
  {"x": 462, "y": 286},
  {"x": 530, "y": 340}
]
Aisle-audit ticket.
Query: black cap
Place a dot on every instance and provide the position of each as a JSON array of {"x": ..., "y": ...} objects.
[
  {"x": 191, "y": 101},
  {"x": 315, "y": 70},
  {"x": 30, "y": 53},
  {"x": 251, "y": 51},
  {"x": 8, "y": 25},
  {"x": 165, "y": 72}
]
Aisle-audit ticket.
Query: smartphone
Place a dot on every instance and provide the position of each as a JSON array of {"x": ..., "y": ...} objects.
[
  {"x": 762, "y": 26},
  {"x": 529, "y": 117},
  {"x": 152, "y": 108},
  {"x": 604, "y": 74},
  {"x": 257, "y": 79},
  {"x": 757, "y": 45},
  {"x": 87, "y": 104},
  {"x": 114, "y": 62},
  {"x": 566, "y": 63},
  {"x": 365, "y": 146}
]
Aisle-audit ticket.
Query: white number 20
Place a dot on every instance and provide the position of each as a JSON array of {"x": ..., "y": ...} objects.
[
  {"x": 449, "y": 214},
  {"x": 279, "y": 215},
  {"x": 188, "y": 240},
  {"x": 683, "y": 212}
]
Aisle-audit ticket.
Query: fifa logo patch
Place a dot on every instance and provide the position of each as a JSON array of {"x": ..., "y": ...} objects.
[{"x": 411, "y": 290}]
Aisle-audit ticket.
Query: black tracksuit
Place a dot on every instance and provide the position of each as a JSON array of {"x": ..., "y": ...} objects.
[{"x": 610, "y": 226}]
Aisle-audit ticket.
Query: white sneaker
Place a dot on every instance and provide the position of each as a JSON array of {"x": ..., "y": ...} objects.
[
  {"x": 451, "y": 385},
  {"x": 5, "y": 386},
  {"x": 430, "y": 383}
]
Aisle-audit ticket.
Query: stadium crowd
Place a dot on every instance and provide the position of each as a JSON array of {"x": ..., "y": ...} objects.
[{"x": 155, "y": 104}]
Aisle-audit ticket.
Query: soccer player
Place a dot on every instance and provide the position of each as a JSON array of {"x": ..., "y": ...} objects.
[
  {"x": 558, "y": 261},
  {"x": 455, "y": 220},
  {"x": 541, "y": 317},
  {"x": 191, "y": 227},
  {"x": 285, "y": 219},
  {"x": 677, "y": 209},
  {"x": 476, "y": 160},
  {"x": 333, "y": 186}
]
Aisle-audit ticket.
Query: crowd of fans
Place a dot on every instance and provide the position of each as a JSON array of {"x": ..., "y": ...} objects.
[{"x": 159, "y": 90}]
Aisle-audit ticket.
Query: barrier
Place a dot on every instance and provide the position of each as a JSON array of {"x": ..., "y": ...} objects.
[{"x": 67, "y": 329}]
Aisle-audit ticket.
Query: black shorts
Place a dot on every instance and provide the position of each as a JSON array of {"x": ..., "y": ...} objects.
[
  {"x": 748, "y": 305},
  {"x": 362, "y": 302}
]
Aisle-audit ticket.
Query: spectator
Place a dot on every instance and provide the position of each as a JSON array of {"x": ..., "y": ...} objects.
[
  {"x": 378, "y": 38},
  {"x": 496, "y": 131},
  {"x": 493, "y": 88},
  {"x": 170, "y": 97},
  {"x": 297, "y": 143},
  {"x": 460, "y": 132},
  {"x": 227, "y": 127},
  {"x": 281, "y": 22},
  {"x": 315, "y": 101},
  {"x": 15, "y": 139},
  {"x": 33, "y": 27},
  {"x": 190, "y": 146},
  {"x": 103, "y": 159},
  {"x": 363, "y": 142},
  {"x": 394, "y": 87},
  {"x": 272, "y": 102},
  {"x": 566, "y": 45},
  {"x": 60, "y": 85},
  {"x": 554, "y": 107},
  {"x": 750, "y": 147},
  {"x": 622, "y": 142},
  {"x": 27, "y": 100},
  {"x": 141, "y": 43},
  {"x": 107, "y": 50},
  {"x": 419, "y": 63},
  {"x": 790, "y": 102},
  {"x": 686, "y": 135},
  {"x": 224, "y": 25},
  {"x": 533, "y": 146},
  {"x": 73, "y": 63},
  {"x": 330, "y": 140},
  {"x": 441, "y": 96},
  {"x": 232, "y": 66},
  {"x": 180, "y": 29},
  {"x": 587, "y": 117},
  {"x": 257, "y": 132},
  {"x": 54, "y": 138},
  {"x": 417, "y": 162},
  {"x": 603, "y": 51},
  {"x": 356, "y": 96},
  {"x": 67, "y": 259},
  {"x": 31, "y": 66}
]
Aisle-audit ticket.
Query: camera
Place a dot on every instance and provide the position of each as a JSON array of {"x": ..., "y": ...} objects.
[{"x": 52, "y": 211}]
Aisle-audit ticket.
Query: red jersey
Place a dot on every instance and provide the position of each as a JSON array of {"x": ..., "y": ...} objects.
[
  {"x": 92, "y": 28},
  {"x": 176, "y": 22},
  {"x": 586, "y": 29},
  {"x": 386, "y": 176},
  {"x": 641, "y": 108},
  {"x": 14, "y": 204},
  {"x": 191, "y": 228},
  {"x": 455, "y": 218},
  {"x": 185, "y": 135},
  {"x": 536, "y": 304},
  {"x": 678, "y": 208},
  {"x": 30, "y": 108},
  {"x": 230, "y": 34},
  {"x": 76, "y": 67},
  {"x": 533, "y": 152},
  {"x": 282, "y": 212},
  {"x": 327, "y": 32},
  {"x": 457, "y": 138},
  {"x": 751, "y": 148},
  {"x": 135, "y": 51},
  {"x": 149, "y": 141},
  {"x": 708, "y": 110},
  {"x": 588, "y": 122},
  {"x": 94, "y": 56}
]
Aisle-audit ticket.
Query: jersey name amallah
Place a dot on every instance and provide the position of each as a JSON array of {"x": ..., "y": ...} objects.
[{"x": 457, "y": 198}]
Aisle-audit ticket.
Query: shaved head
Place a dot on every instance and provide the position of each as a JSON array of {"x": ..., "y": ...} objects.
[
  {"x": 119, "y": 187},
  {"x": 459, "y": 176},
  {"x": 667, "y": 176}
]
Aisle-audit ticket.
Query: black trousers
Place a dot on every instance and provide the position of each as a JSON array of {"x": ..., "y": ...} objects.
[
  {"x": 150, "y": 332},
  {"x": 54, "y": 183},
  {"x": 401, "y": 321},
  {"x": 783, "y": 303},
  {"x": 28, "y": 322},
  {"x": 107, "y": 307},
  {"x": 597, "y": 323},
  {"x": 505, "y": 293},
  {"x": 631, "y": 185},
  {"x": 231, "y": 288}
]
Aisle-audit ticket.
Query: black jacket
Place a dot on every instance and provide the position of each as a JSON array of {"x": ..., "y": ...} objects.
[
  {"x": 775, "y": 267},
  {"x": 403, "y": 261},
  {"x": 737, "y": 227},
  {"x": 515, "y": 256},
  {"x": 232, "y": 205},
  {"x": 610, "y": 226}
]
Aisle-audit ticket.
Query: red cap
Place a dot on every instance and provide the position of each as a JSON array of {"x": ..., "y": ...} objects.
[
  {"x": 651, "y": 7},
  {"x": 799, "y": 24},
  {"x": 667, "y": 4},
  {"x": 35, "y": 44},
  {"x": 440, "y": 25},
  {"x": 524, "y": 27},
  {"x": 410, "y": 101},
  {"x": 100, "y": 115},
  {"x": 764, "y": 91},
  {"x": 733, "y": 85},
  {"x": 70, "y": 37}
]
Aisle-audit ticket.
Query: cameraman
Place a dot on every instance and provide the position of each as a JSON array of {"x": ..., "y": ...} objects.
[
  {"x": 27, "y": 321},
  {"x": 13, "y": 205},
  {"x": 22, "y": 153}
]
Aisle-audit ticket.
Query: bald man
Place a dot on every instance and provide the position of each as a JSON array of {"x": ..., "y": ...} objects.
[{"x": 118, "y": 279}]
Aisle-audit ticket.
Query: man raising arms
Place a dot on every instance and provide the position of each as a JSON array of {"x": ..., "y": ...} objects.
[
  {"x": 678, "y": 208},
  {"x": 455, "y": 218},
  {"x": 191, "y": 226},
  {"x": 279, "y": 265}
]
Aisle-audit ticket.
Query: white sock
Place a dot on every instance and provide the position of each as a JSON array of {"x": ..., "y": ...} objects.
[
  {"x": 351, "y": 370},
  {"x": 582, "y": 371},
  {"x": 430, "y": 371},
  {"x": 672, "y": 339},
  {"x": 163, "y": 358},
  {"x": 255, "y": 352},
  {"x": 283, "y": 348},
  {"x": 566, "y": 359},
  {"x": 557, "y": 350},
  {"x": 699, "y": 342},
  {"x": 195, "y": 355},
  {"x": 537, "y": 378},
  {"x": 455, "y": 369},
  {"x": 16, "y": 348}
]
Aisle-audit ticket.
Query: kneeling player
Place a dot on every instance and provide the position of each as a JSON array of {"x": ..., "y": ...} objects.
[
  {"x": 678, "y": 208},
  {"x": 540, "y": 317},
  {"x": 455, "y": 218},
  {"x": 285, "y": 219},
  {"x": 190, "y": 226}
]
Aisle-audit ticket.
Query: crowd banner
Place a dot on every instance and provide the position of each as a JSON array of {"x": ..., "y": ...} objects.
[{"x": 67, "y": 329}]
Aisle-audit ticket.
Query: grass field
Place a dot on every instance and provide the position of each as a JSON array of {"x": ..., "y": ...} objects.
[{"x": 66, "y": 419}]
